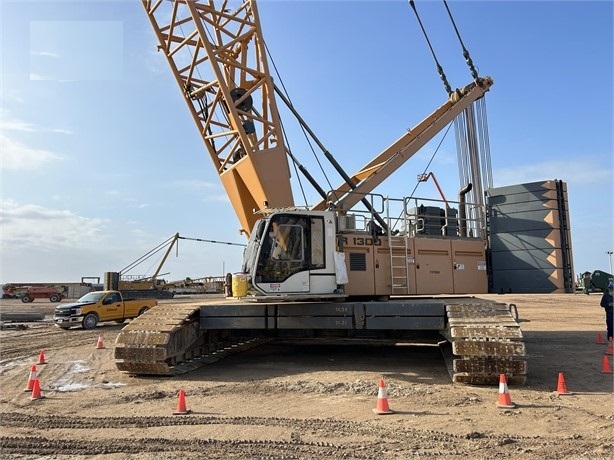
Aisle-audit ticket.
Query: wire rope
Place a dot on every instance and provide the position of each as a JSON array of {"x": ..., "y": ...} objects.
[
  {"x": 313, "y": 151},
  {"x": 440, "y": 71}
]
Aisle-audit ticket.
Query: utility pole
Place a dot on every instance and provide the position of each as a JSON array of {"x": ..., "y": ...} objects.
[{"x": 609, "y": 253}]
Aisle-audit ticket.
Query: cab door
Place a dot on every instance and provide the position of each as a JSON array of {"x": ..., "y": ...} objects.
[{"x": 112, "y": 307}]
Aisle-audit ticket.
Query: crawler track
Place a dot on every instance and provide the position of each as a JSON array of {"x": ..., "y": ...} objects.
[
  {"x": 168, "y": 340},
  {"x": 487, "y": 342}
]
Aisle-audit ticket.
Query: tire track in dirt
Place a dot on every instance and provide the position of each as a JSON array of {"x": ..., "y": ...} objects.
[
  {"x": 378, "y": 441},
  {"x": 48, "y": 338}
]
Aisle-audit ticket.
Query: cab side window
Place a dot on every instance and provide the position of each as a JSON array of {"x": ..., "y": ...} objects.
[{"x": 112, "y": 298}]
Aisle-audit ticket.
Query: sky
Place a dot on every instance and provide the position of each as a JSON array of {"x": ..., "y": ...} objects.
[{"x": 101, "y": 162}]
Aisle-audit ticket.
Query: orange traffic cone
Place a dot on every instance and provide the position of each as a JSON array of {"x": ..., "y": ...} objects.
[
  {"x": 181, "y": 406},
  {"x": 100, "y": 344},
  {"x": 36, "y": 390},
  {"x": 505, "y": 400},
  {"x": 610, "y": 350},
  {"x": 41, "y": 358},
  {"x": 561, "y": 388},
  {"x": 382, "y": 400},
  {"x": 605, "y": 368},
  {"x": 31, "y": 379},
  {"x": 600, "y": 340}
]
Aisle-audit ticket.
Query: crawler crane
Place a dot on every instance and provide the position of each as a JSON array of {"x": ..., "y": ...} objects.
[{"x": 348, "y": 266}]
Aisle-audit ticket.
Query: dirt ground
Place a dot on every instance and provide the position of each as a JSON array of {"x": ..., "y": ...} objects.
[{"x": 310, "y": 400}]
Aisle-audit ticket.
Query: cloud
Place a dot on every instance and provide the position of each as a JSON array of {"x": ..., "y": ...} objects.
[
  {"x": 45, "y": 53},
  {"x": 13, "y": 124},
  {"x": 38, "y": 77},
  {"x": 581, "y": 173},
  {"x": 8, "y": 123},
  {"x": 18, "y": 156},
  {"x": 33, "y": 227},
  {"x": 61, "y": 131}
]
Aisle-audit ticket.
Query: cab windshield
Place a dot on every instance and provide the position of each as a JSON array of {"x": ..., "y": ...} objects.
[
  {"x": 91, "y": 297},
  {"x": 292, "y": 243}
]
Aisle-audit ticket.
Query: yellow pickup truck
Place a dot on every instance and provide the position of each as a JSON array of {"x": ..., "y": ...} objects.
[{"x": 98, "y": 306}]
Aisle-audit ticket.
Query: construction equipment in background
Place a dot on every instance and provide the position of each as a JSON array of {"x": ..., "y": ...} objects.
[
  {"x": 601, "y": 280},
  {"x": 14, "y": 291},
  {"x": 28, "y": 292},
  {"x": 93, "y": 282},
  {"x": 139, "y": 287},
  {"x": 425, "y": 177},
  {"x": 153, "y": 286},
  {"x": 345, "y": 267},
  {"x": 204, "y": 285},
  {"x": 53, "y": 293},
  {"x": 596, "y": 281}
]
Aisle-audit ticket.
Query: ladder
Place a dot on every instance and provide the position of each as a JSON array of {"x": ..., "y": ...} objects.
[{"x": 398, "y": 251}]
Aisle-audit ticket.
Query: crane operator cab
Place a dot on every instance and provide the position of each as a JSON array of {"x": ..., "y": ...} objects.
[{"x": 292, "y": 253}]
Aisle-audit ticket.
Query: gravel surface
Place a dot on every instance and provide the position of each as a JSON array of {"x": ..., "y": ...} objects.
[{"x": 309, "y": 399}]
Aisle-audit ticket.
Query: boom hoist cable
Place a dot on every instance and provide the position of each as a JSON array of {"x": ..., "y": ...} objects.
[
  {"x": 309, "y": 134},
  {"x": 466, "y": 55},
  {"x": 296, "y": 163},
  {"x": 440, "y": 71},
  {"x": 471, "y": 134},
  {"x": 473, "y": 147}
]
